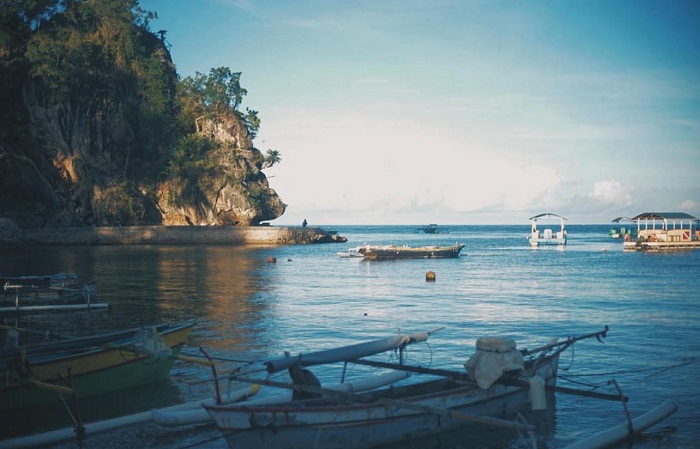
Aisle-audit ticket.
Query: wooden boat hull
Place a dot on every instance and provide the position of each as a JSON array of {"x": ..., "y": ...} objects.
[
  {"x": 97, "y": 368},
  {"x": 359, "y": 435},
  {"x": 366, "y": 425},
  {"x": 392, "y": 252}
]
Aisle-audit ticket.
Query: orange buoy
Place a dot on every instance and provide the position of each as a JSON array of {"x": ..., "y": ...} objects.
[
  {"x": 272, "y": 259},
  {"x": 430, "y": 276}
]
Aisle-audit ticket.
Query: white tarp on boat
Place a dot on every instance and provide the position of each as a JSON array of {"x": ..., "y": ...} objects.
[{"x": 493, "y": 357}]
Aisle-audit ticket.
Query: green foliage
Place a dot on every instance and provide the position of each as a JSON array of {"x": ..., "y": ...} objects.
[
  {"x": 252, "y": 122},
  {"x": 189, "y": 157},
  {"x": 116, "y": 99},
  {"x": 272, "y": 157},
  {"x": 218, "y": 94},
  {"x": 98, "y": 57},
  {"x": 256, "y": 196},
  {"x": 122, "y": 203}
]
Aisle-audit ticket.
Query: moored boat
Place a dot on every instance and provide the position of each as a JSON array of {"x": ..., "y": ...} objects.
[
  {"x": 499, "y": 379},
  {"x": 547, "y": 235},
  {"x": 86, "y": 366},
  {"x": 433, "y": 228},
  {"x": 661, "y": 231},
  {"x": 49, "y": 280},
  {"x": 43, "y": 293},
  {"x": 618, "y": 231},
  {"x": 351, "y": 253},
  {"x": 390, "y": 252}
]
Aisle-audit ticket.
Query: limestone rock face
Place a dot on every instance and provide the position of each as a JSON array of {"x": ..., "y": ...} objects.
[
  {"x": 74, "y": 189},
  {"x": 236, "y": 191},
  {"x": 101, "y": 156}
]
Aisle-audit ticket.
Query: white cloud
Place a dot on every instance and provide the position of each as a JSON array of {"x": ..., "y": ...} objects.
[
  {"x": 612, "y": 193},
  {"x": 394, "y": 170},
  {"x": 690, "y": 206}
]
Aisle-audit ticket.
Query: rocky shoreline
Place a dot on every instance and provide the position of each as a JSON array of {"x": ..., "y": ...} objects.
[{"x": 169, "y": 235}]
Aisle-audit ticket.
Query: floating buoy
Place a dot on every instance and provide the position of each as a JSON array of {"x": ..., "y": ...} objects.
[
  {"x": 537, "y": 395},
  {"x": 430, "y": 276},
  {"x": 272, "y": 259}
]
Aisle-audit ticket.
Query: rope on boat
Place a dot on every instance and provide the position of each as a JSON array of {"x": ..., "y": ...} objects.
[
  {"x": 630, "y": 426},
  {"x": 655, "y": 370}
]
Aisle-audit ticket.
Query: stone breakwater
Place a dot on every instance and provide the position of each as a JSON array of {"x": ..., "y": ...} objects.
[{"x": 179, "y": 235}]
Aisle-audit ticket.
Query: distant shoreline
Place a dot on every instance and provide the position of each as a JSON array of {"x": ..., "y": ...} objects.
[{"x": 179, "y": 235}]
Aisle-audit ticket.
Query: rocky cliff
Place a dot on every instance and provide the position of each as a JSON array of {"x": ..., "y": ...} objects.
[
  {"x": 235, "y": 191},
  {"x": 97, "y": 129}
]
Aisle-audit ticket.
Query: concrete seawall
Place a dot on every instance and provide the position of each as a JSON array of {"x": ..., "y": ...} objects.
[{"x": 179, "y": 235}]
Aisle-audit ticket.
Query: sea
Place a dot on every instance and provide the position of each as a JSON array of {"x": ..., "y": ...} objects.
[{"x": 252, "y": 302}]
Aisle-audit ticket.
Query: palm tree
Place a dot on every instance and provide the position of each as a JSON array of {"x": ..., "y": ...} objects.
[{"x": 273, "y": 157}]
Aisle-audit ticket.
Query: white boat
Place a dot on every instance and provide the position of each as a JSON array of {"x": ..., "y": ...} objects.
[
  {"x": 547, "y": 235},
  {"x": 499, "y": 379},
  {"x": 351, "y": 253},
  {"x": 197, "y": 415}
]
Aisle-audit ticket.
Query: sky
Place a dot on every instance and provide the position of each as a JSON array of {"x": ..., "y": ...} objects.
[{"x": 460, "y": 111}]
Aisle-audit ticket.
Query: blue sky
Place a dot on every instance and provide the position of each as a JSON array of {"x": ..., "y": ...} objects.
[{"x": 461, "y": 112}]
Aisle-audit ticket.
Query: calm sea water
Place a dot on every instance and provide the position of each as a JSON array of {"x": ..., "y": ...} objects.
[{"x": 311, "y": 299}]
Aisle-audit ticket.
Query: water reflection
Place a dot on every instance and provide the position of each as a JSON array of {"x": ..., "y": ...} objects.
[{"x": 220, "y": 286}]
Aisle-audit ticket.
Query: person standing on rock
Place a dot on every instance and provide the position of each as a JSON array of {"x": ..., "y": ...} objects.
[{"x": 303, "y": 223}]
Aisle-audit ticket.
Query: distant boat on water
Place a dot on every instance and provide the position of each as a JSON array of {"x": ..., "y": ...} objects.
[
  {"x": 351, "y": 253},
  {"x": 432, "y": 228},
  {"x": 617, "y": 231},
  {"x": 664, "y": 231},
  {"x": 389, "y": 252},
  {"x": 547, "y": 236}
]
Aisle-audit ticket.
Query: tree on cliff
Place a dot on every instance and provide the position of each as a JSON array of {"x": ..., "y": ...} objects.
[
  {"x": 271, "y": 158},
  {"x": 93, "y": 114}
]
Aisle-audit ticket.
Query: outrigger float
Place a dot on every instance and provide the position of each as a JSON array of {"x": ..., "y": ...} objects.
[{"x": 662, "y": 231}]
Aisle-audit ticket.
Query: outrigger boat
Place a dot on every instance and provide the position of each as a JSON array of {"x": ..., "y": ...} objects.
[
  {"x": 49, "y": 280},
  {"x": 86, "y": 366},
  {"x": 17, "y": 298},
  {"x": 43, "y": 293},
  {"x": 547, "y": 236},
  {"x": 392, "y": 252},
  {"x": 499, "y": 379},
  {"x": 658, "y": 231}
]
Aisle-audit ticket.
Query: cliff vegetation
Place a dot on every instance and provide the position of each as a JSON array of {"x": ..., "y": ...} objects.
[{"x": 98, "y": 129}]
